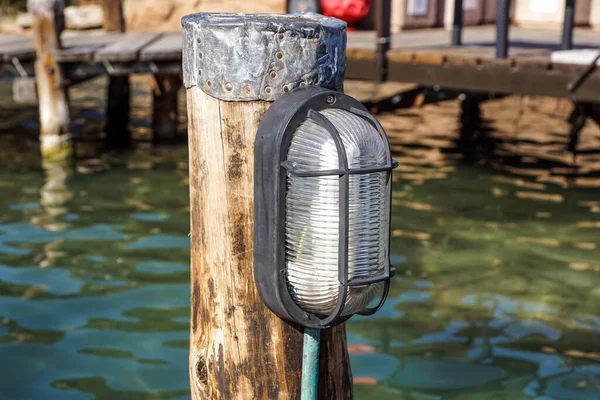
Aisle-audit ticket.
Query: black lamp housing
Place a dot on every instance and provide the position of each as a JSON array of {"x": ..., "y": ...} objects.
[{"x": 272, "y": 142}]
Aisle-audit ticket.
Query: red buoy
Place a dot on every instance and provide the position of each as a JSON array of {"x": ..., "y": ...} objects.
[{"x": 350, "y": 11}]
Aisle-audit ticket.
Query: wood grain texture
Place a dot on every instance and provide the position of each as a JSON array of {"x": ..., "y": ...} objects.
[
  {"x": 52, "y": 95},
  {"x": 127, "y": 48},
  {"x": 238, "y": 348}
]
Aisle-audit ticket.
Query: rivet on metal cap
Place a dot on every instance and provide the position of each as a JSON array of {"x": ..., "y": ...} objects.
[{"x": 246, "y": 54}]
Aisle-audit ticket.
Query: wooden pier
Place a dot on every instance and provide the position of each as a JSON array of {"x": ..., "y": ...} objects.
[
  {"x": 423, "y": 58},
  {"x": 416, "y": 57}
]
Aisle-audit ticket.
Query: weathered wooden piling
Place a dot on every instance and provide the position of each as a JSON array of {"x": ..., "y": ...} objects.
[
  {"x": 48, "y": 23},
  {"x": 118, "y": 92},
  {"x": 234, "y": 65}
]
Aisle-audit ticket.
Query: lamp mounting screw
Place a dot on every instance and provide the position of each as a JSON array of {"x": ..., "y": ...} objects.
[{"x": 330, "y": 99}]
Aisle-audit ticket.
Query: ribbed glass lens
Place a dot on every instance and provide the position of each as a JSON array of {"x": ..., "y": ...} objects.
[{"x": 312, "y": 214}]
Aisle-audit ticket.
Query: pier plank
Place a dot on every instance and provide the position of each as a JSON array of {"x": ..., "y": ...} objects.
[
  {"x": 422, "y": 57},
  {"x": 167, "y": 47},
  {"x": 81, "y": 47},
  {"x": 127, "y": 48},
  {"x": 21, "y": 48},
  {"x": 8, "y": 39}
]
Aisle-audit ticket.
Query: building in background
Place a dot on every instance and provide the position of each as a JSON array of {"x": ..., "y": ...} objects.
[
  {"x": 473, "y": 11},
  {"x": 413, "y": 14},
  {"x": 595, "y": 14},
  {"x": 165, "y": 15},
  {"x": 549, "y": 13}
]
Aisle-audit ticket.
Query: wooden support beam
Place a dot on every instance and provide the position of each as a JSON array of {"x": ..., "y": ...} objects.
[
  {"x": 525, "y": 76},
  {"x": 470, "y": 126},
  {"x": 165, "y": 88},
  {"x": 239, "y": 349},
  {"x": 118, "y": 135},
  {"x": 119, "y": 89},
  {"x": 48, "y": 23}
]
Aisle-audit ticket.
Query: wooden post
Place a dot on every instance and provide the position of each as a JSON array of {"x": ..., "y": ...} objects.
[
  {"x": 164, "y": 106},
  {"x": 470, "y": 125},
  {"x": 48, "y": 23},
  {"x": 119, "y": 89},
  {"x": 118, "y": 93},
  {"x": 233, "y": 67}
]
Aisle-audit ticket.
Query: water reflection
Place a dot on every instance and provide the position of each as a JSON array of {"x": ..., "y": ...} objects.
[
  {"x": 496, "y": 295},
  {"x": 525, "y": 136},
  {"x": 499, "y": 292},
  {"x": 94, "y": 297}
]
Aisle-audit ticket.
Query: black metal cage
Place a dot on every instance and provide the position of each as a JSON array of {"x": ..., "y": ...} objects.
[{"x": 273, "y": 139}]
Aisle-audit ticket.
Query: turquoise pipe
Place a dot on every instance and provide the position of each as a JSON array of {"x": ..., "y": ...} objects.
[{"x": 310, "y": 364}]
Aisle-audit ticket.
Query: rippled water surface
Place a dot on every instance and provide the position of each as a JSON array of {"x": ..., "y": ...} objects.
[{"x": 497, "y": 294}]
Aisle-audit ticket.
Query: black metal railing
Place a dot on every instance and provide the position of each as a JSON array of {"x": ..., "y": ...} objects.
[
  {"x": 457, "y": 24},
  {"x": 383, "y": 23},
  {"x": 502, "y": 24},
  {"x": 568, "y": 25}
]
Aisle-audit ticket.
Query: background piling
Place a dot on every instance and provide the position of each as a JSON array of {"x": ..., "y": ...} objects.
[{"x": 48, "y": 23}]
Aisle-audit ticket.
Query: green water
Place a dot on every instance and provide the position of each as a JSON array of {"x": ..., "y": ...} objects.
[{"x": 497, "y": 294}]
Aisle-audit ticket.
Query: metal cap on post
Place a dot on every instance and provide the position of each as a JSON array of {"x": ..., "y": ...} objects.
[
  {"x": 234, "y": 65},
  {"x": 237, "y": 57}
]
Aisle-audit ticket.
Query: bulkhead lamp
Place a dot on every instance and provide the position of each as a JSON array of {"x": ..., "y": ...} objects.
[{"x": 322, "y": 192}]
